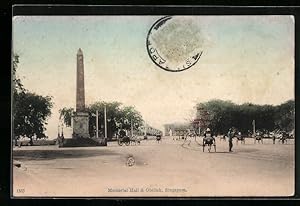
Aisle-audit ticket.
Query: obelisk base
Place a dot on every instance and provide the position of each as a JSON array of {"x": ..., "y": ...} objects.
[
  {"x": 81, "y": 136},
  {"x": 80, "y": 125}
]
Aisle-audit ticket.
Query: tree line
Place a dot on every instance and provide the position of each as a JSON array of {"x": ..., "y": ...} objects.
[
  {"x": 222, "y": 115},
  {"x": 118, "y": 117}
]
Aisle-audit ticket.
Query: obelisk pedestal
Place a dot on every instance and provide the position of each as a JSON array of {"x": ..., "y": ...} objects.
[{"x": 81, "y": 125}]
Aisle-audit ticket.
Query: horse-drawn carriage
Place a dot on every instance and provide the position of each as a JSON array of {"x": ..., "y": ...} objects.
[
  {"x": 123, "y": 139},
  {"x": 126, "y": 140}
]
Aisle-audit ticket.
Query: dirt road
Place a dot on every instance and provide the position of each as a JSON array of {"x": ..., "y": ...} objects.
[{"x": 168, "y": 168}]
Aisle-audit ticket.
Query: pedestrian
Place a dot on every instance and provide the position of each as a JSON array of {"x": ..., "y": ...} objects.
[
  {"x": 274, "y": 139},
  {"x": 230, "y": 136}
]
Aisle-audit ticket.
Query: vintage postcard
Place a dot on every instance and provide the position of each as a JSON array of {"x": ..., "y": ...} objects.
[{"x": 153, "y": 106}]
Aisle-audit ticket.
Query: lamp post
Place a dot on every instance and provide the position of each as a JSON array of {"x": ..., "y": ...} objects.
[
  {"x": 105, "y": 123},
  {"x": 199, "y": 128},
  {"x": 145, "y": 131},
  {"x": 58, "y": 131},
  {"x": 253, "y": 124},
  {"x": 62, "y": 130},
  {"x": 97, "y": 124},
  {"x": 131, "y": 128}
]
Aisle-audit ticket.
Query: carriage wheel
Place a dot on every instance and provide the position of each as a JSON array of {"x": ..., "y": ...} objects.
[
  {"x": 120, "y": 143},
  {"x": 127, "y": 143}
]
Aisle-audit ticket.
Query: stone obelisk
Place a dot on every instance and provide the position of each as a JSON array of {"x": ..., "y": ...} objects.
[
  {"x": 80, "y": 117},
  {"x": 80, "y": 97}
]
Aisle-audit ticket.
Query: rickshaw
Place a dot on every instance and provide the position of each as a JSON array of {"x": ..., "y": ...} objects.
[{"x": 209, "y": 141}]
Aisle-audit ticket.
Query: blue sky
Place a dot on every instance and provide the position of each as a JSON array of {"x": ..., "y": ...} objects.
[{"x": 245, "y": 59}]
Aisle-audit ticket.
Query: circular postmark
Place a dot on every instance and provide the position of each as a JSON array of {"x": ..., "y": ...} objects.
[{"x": 174, "y": 43}]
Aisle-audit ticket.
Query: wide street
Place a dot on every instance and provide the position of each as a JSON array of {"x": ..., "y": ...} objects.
[{"x": 168, "y": 168}]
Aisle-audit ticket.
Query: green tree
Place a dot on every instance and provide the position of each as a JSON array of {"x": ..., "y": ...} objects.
[
  {"x": 113, "y": 114},
  {"x": 30, "y": 111},
  {"x": 225, "y": 114},
  {"x": 221, "y": 114},
  {"x": 285, "y": 116},
  {"x": 130, "y": 115},
  {"x": 117, "y": 115}
]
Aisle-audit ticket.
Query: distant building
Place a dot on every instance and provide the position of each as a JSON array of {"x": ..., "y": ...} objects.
[
  {"x": 177, "y": 129},
  {"x": 147, "y": 130}
]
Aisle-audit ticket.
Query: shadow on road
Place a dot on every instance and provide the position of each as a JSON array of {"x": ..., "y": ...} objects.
[
  {"x": 200, "y": 149},
  {"x": 58, "y": 154}
]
